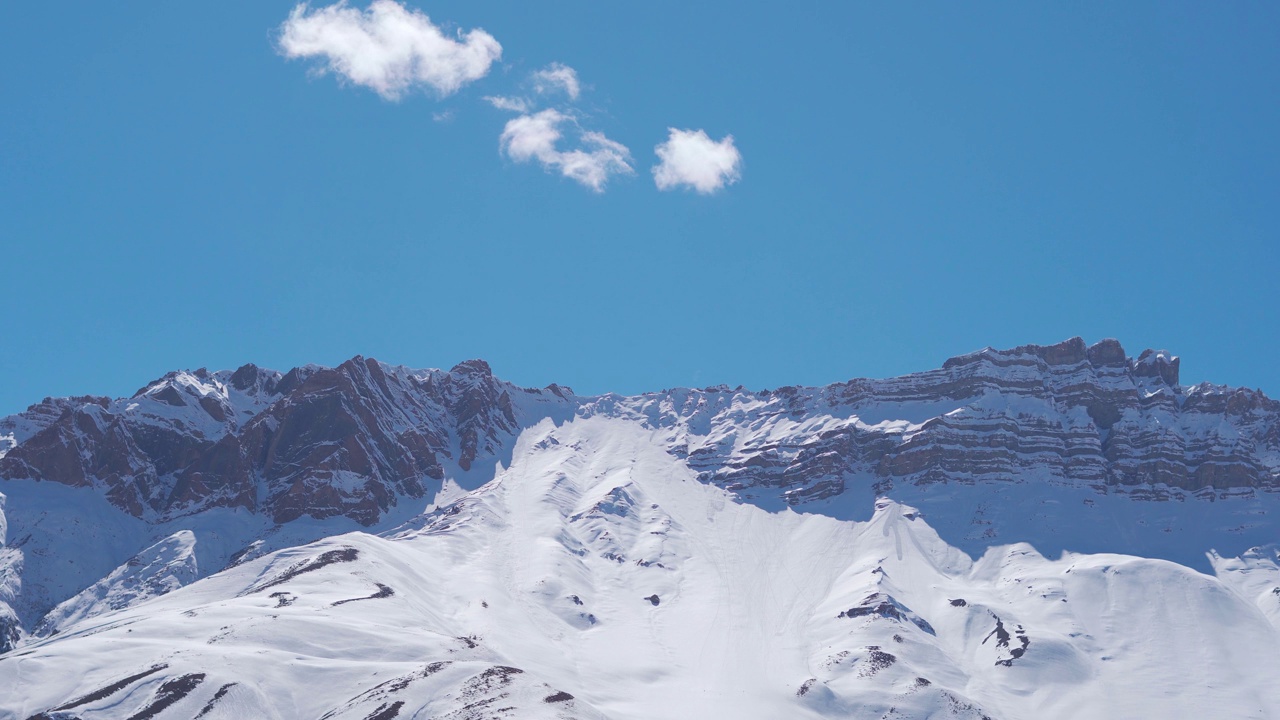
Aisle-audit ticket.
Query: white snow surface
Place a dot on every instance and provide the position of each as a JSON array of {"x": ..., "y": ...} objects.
[
  {"x": 159, "y": 569},
  {"x": 597, "y": 566}
]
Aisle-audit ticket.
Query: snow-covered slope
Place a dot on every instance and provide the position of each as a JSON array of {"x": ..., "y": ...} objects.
[
  {"x": 597, "y": 578},
  {"x": 1089, "y": 538},
  {"x": 157, "y": 570}
]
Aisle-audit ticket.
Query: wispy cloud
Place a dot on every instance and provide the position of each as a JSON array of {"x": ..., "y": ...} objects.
[
  {"x": 508, "y": 103},
  {"x": 388, "y": 47},
  {"x": 554, "y": 78},
  {"x": 393, "y": 49},
  {"x": 557, "y": 77},
  {"x": 690, "y": 158},
  {"x": 536, "y": 136}
]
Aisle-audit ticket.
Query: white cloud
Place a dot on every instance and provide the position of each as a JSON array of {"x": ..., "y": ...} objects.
[
  {"x": 557, "y": 77},
  {"x": 534, "y": 137},
  {"x": 692, "y": 159},
  {"x": 508, "y": 103},
  {"x": 388, "y": 47}
]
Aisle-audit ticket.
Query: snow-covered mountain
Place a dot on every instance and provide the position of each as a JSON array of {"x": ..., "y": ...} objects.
[{"x": 1044, "y": 532}]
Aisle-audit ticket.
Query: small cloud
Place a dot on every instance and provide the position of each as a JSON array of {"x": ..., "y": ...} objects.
[
  {"x": 557, "y": 77},
  {"x": 387, "y": 47},
  {"x": 534, "y": 137},
  {"x": 692, "y": 159},
  {"x": 510, "y": 104},
  {"x": 443, "y": 117}
]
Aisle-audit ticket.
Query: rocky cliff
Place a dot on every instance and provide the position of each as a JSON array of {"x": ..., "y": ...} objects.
[
  {"x": 1062, "y": 414},
  {"x": 315, "y": 441}
]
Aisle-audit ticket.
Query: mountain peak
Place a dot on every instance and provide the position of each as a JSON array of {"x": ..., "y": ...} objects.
[
  {"x": 475, "y": 367},
  {"x": 1072, "y": 351},
  {"x": 1107, "y": 352},
  {"x": 1158, "y": 363}
]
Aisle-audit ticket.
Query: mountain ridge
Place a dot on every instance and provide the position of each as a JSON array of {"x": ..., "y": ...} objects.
[
  {"x": 350, "y": 440},
  {"x": 421, "y": 538}
]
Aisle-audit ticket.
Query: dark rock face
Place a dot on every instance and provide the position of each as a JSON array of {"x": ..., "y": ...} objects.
[
  {"x": 9, "y": 632},
  {"x": 318, "y": 442},
  {"x": 352, "y": 440},
  {"x": 880, "y": 605}
]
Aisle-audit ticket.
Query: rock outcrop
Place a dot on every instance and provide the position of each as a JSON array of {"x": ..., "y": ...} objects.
[
  {"x": 1065, "y": 414},
  {"x": 320, "y": 442}
]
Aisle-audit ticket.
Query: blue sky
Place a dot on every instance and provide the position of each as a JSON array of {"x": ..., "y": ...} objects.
[{"x": 915, "y": 181}]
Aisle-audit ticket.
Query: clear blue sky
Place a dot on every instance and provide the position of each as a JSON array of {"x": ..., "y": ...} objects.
[{"x": 918, "y": 180}]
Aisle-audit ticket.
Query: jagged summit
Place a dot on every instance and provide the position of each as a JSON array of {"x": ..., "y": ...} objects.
[{"x": 478, "y": 368}]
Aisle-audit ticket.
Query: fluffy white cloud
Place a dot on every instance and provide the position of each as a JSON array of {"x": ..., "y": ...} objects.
[
  {"x": 534, "y": 137},
  {"x": 387, "y": 47},
  {"x": 557, "y": 77},
  {"x": 508, "y": 103},
  {"x": 692, "y": 159}
]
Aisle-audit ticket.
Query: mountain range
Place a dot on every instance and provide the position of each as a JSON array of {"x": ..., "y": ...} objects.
[{"x": 1059, "y": 531}]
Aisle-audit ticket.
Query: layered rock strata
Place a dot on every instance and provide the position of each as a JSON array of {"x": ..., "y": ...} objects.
[{"x": 354, "y": 440}]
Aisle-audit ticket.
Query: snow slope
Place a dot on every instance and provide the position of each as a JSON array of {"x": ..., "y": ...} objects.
[
  {"x": 157, "y": 570},
  {"x": 597, "y": 577}
]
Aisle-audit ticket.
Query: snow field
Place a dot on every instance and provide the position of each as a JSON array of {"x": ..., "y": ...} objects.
[{"x": 543, "y": 582}]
